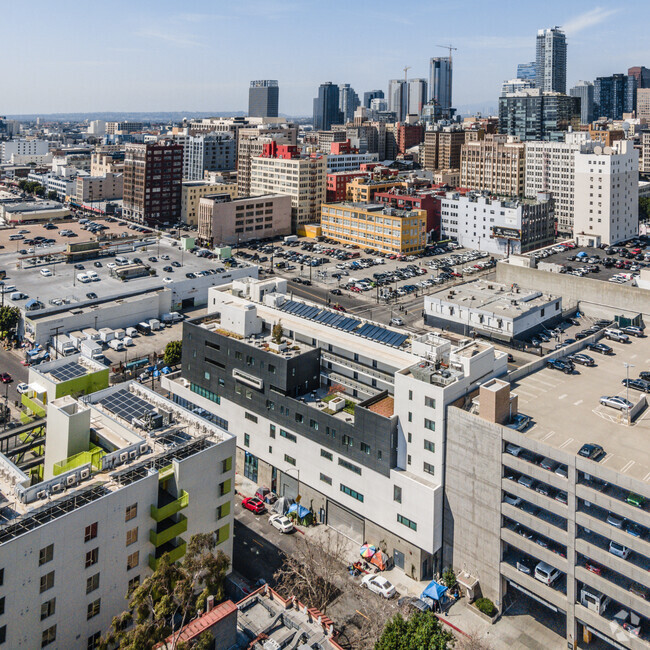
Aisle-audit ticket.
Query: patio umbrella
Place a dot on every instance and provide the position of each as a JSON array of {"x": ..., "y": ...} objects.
[{"x": 367, "y": 551}]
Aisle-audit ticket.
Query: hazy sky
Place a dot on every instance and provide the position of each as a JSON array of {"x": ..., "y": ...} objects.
[{"x": 198, "y": 55}]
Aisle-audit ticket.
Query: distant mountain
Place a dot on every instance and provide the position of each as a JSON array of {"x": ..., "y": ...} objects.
[
  {"x": 133, "y": 116},
  {"x": 484, "y": 108}
]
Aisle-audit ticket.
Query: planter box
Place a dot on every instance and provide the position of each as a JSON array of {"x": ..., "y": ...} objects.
[
  {"x": 491, "y": 620},
  {"x": 336, "y": 404},
  {"x": 278, "y": 347}
]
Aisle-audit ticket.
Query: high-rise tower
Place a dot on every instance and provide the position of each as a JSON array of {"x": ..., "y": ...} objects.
[
  {"x": 551, "y": 60},
  {"x": 263, "y": 98}
]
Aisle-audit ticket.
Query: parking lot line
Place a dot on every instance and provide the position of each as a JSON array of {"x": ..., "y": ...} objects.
[
  {"x": 567, "y": 442},
  {"x": 647, "y": 477},
  {"x": 627, "y": 466},
  {"x": 563, "y": 396},
  {"x": 578, "y": 402},
  {"x": 526, "y": 394},
  {"x": 541, "y": 381},
  {"x": 548, "y": 435}
]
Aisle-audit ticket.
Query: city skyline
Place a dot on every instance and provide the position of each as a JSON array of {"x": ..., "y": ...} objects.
[{"x": 167, "y": 47}]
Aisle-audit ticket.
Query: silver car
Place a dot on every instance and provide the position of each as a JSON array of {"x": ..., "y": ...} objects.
[{"x": 615, "y": 402}]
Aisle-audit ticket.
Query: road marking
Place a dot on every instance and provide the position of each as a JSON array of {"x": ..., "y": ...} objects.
[
  {"x": 360, "y": 614},
  {"x": 634, "y": 356},
  {"x": 541, "y": 381},
  {"x": 258, "y": 543},
  {"x": 606, "y": 459},
  {"x": 525, "y": 393},
  {"x": 548, "y": 435},
  {"x": 563, "y": 396},
  {"x": 627, "y": 466},
  {"x": 577, "y": 403},
  {"x": 566, "y": 442},
  {"x": 646, "y": 477}
]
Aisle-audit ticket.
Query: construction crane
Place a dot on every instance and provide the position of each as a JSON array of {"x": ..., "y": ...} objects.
[
  {"x": 450, "y": 48},
  {"x": 406, "y": 69}
]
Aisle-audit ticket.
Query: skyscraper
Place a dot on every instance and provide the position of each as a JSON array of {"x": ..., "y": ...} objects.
[
  {"x": 398, "y": 98},
  {"x": 641, "y": 74},
  {"x": 440, "y": 83},
  {"x": 370, "y": 95},
  {"x": 263, "y": 98},
  {"x": 614, "y": 96},
  {"x": 584, "y": 90},
  {"x": 551, "y": 60},
  {"x": 348, "y": 102},
  {"x": 326, "y": 107},
  {"x": 527, "y": 71},
  {"x": 417, "y": 96}
]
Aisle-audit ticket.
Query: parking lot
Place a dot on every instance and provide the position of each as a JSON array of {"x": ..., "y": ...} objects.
[{"x": 619, "y": 262}]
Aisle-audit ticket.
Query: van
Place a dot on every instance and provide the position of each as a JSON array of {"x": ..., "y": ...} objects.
[
  {"x": 143, "y": 328},
  {"x": 15, "y": 237},
  {"x": 116, "y": 344},
  {"x": 546, "y": 574},
  {"x": 92, "y": 275},
  {"x": 18, "y": 295},
  {"x": 121, "y": 261},
  {"x": 131, "y": 331},
  {"x": 593, "y": 600},
  {"x": 127, "y": 340},
  {"x": 83, "y": 277}
]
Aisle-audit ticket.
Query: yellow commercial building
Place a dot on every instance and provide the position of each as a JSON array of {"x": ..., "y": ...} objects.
[
  {"x": 193, "y": 191},
  {"x": 384, "y": 229},
  {"x": 363, "y": 190}
]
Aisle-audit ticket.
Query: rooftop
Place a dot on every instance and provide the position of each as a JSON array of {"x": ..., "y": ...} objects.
[
  {"x": 493, "y": 297},
  {"x": 566, "y": 412},
  {"x": 67, "y": 368},
  {"x": 382, "y": 208}
]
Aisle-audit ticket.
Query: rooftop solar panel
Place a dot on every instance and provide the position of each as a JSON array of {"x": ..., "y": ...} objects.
[
  {"x": 385, "y": 335},
  {"x": 126, "y": 405},
  {"x": 68, "y": 371}
]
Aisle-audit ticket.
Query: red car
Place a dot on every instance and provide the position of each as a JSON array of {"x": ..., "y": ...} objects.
[
  {"x": 339, "y": 308},
  {"x": 254, "y": 505},
  {"x": 6, "y": 378},
  {"x": 593, "y": 567}
]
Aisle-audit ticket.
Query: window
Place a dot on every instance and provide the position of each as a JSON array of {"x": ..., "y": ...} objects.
[
  {"x": 92, "y": 557},
  {"x": 313, "y": 424},
  {"x": 2, "y": 605},
  {"x": 350, "y": 466},
  {"x": 133, "y": 560},
  {"x": 134, "y": 583},
  {"x": 223, "y": 510},
  {"x": 92, "y": 583},
  {"x": 224, "y": 488},
  {"x": 131, "y": 536},
  {"x": 365, "y": 448},
  {"x": 93, "y": 608},
  {"x": 45, "y": 555},
  {"x": 352, "y": 493},
  {"x": 288, "y": 436},
  {"x": 429, "y": 424},
  {"x": 410, "y": 437},
  {"x": 299, "y": 417},
  {"x": 93, "y": 641},
  {"x": 407, "y": 522},
  {"x": 410, "y": 395},
  {"x": 397, "y": 493},
  {"x": 47, "y": 581},
  {"x": 251, "y": 417},
  {"x": 408, "y": 459},
  {"x": 91, "y": 532},
  {"x": 429, "y": 469},
  {"x": 326, "y": 479},
  {"x": 3, "y": 634},
  {"x": 271, "y": 368},
  {"x": 348, "y": 441},
  {"x": 247, "y": 440},
  {"x": 272, "y": 430},
  {"x": 2, "y": 577},
  {"x": 47, "y": 608},
  {"x": 326, "y": 454},
  {"x": 410, "y": 416},
  {"x": 289, "y": 459},
  {"x": 430, "y": 446},
  {"x": 430, "y": 402},
  {"x": 226, "y": 464},
  {"x": 131, "y": 512},
  {"x": 49, "y": 636}
]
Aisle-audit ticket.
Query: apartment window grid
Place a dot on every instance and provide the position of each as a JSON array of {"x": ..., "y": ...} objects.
[
  {"x": 93, "y": 608},
  {"x": 90, "y": 532},
  {"x": 48, "y": 608},
  {"x": 92, "y": 557},
  {"x": 131, "y": 512},
  {"x": 48, "y": 636},
  {"x": 133, "y": 561},
  {"x": 47, "y": 581},
  {"x": 46, "y": 555},
  {"x": 352, "y": 493},
  {"x": 92, "y": 583},
  {"x": 131, "y": 536},
  {"x": 407, "y": 522}
]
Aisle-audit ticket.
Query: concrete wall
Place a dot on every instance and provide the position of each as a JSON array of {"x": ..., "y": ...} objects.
[
  {"x": 607, "y": 296},
  {"x": 472, "y": 518}
]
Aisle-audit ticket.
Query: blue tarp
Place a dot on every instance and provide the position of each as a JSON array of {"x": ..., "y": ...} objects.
[
  {"x": 434, "y": 591},
  {"x": 582, "y": 254},
  {"x": 301, "y": 510}
]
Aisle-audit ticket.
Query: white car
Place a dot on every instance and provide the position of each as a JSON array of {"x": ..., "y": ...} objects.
[
  {"x": 22, "y": 388},
  {"x": 111, "y": 265},
  {"x": 379, "y": 585},
  {"x": 282, "y": 523},
  {"x": 167, "y": 280},
  {"x": 46, "y": 273},
  {"x": 164, "y": 257}
]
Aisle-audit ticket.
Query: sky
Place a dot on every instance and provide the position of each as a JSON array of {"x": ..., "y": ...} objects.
[{"x": 200, "y": 55}]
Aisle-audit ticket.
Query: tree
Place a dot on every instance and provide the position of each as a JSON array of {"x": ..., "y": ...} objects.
[
  {"x": 171, "y": 596},
  {"x": 422, "y": 631},
  {"x": 173, "y": 352},
  {"x": 644, "y": 207},
  {"x": 276, "y": 333},
  {"x": 449, "y": 578},
  {"x": 9, "y": 317},
  {"x": 39, "y": 190},
  {"x": 52, "y": 195},
  {"x": 315, "y": 571}
]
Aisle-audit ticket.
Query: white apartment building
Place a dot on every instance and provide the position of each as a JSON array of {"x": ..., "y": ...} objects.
[
  {"x": 349, "y": 161},
  {"x": 209, "y": 151},
  {"x": 304, "y": 178},
  {"x": 550, "y": 168},
  {"x": 347, "y": 413},
  {"x": 98, "y": 188},
  {"x": 23, "y": 148},
  {"x": 498, "y": 227},
  {"x": 134, "y": 476},
  {"x": 607, "y": 193},
  {"x": 97, "y": 127}
]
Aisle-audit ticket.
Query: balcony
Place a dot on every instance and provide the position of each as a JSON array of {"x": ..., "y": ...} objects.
[
  {"x": 34, "y": 405},
  {"x": 174, "y": 553},
  {"x": 164, "y": 534},
  {"x": 171, "y": 508}
]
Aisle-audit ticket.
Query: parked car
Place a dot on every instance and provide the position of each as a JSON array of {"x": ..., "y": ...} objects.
[
  {"x": 615, "y": 520},
  {"x": 600, "y": 348},
  {"x": 526, "y": 481},
  {"x": 379, "y": 585},
  {"x": 396, "y": 321},
  {"x": 22, "y": 388},
  {"x": 635, "y": 500},
  {"x": 281, "y": 522},
  {"x": 524, "y": 566},
  {"x": 582, "y": 359},
  {"x": 549, "y": 464},
  {"x": 519, "y": 422},
  {"x": 638, "y": 384},
  {"x": 6, "y": 378},
  {"x": 511, "y": 499},
  {"x": 591, "y": 451},
  {"x": 254, "y": 505},
  {"x": 513, "y": 449},
  {"x": 593, "y": 567},
  {"x": 546, "y": 573},
  {"x": 619, "y": 550},
  {"x": 632, "y": 330},
  {"x": 616, "y": 402},
  {"x": 616, "y": 335},
  {"x": 560, "y": 364}
]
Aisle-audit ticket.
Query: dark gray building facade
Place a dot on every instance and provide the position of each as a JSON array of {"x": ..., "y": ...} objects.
[
  {"x": 585, "y": 91},
  {"x": 326, "y": 107},
  {"x": 370, "y": 95},
  {"x": 263, "y": 98},
  {"x": 614, "y": 95}
]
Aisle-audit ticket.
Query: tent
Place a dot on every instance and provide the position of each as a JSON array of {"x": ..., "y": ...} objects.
[
  {"x": 434, "y": 590},
  {"x": 302, "y": 514},
  {"x": 381, "y": 560},
  {"x": 582, "y": 254},
  {"x": 282, "y": 505}
]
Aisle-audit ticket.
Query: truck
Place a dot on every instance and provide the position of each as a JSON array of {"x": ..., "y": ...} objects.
[
  {"x": 290, "y": 238},
  {"x": 155, "y": 324},
  {"x": 171, "y": 317},
  {"x": 116, "y": 344},
  {"x": 120, "y": 334},
  {"x": 143, "y": 328},
  {"x": 91, "y": 349},
  {"x": 91, "y": 333},
  {"x": 131, "y": 331},
  {"x": 106, "y": 334},
  {"x": 63, "y": 345}
]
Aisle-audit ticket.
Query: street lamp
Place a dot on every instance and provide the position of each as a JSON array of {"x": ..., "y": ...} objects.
[{"x": 627, "y": 367}]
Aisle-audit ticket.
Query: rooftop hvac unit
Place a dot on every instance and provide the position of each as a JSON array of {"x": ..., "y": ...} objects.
[
  {"x": 143, "y": 448},
  {"x": 71, "y": 480},
  {"x": 85, "y": 473},
  {"x": 124, "y": 456},
  {"x": 41, "y": 495},
  {"x": 56, "y": 488},
  {"x": 133, "y": 454}
]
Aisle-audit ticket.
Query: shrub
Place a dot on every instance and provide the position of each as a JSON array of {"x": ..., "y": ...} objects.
[
  {"x": 449, "y": 578},
  {"x": 486, "y": 606}
]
